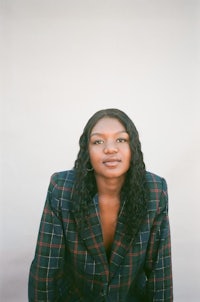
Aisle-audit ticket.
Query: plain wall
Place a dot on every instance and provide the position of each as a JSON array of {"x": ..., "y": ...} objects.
[{"x": 63, "y": 60}]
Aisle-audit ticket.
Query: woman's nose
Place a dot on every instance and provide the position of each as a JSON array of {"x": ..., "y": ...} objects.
[{"x": 110, "y": 148}]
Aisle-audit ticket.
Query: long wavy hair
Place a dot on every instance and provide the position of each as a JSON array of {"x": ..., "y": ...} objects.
[{"x": 134, "y": 189}]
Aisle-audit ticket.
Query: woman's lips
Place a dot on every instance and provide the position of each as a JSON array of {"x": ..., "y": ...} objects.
[{"x": 111, "y": 162}]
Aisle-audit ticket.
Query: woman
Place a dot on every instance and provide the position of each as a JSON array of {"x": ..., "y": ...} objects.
[{"x": 104, "y": 233}]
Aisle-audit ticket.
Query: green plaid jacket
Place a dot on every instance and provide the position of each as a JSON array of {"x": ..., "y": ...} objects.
[{"x": 72, "y": 267}]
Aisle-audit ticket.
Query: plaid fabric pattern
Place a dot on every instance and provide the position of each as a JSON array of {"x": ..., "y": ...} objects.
[{"x": 73, "y": 267}]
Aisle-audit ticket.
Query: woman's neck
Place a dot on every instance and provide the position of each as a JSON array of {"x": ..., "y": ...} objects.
[{"x": 109, "y": 187}]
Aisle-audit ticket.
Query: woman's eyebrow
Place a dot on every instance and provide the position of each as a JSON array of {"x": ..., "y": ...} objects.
[{"x": 101, "y": 134}]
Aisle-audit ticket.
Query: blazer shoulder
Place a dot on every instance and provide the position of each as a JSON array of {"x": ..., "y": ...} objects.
[
  {"x": 63, "y": 179},
  {"x": 61, "y": 183},
  {"x": 60, "y": 190},
  {"x": 158, "y": 191},
  {"x": 155, "y": 180}
]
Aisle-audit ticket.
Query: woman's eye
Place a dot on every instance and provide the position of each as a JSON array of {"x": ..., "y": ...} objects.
[
  {"x": 98, "y": 142},
  {"x": 121, "y": 140}
]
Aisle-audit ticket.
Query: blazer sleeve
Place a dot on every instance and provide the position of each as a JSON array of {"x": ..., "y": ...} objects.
[
  {"x": 158, "y": 264},
  {"x": 46, "y": 267}
]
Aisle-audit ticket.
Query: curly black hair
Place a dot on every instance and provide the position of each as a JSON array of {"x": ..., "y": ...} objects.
[{"x": 134, "y": 190}]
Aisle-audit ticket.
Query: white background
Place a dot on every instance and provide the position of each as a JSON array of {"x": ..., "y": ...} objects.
[{"x": 63, "y": 60}]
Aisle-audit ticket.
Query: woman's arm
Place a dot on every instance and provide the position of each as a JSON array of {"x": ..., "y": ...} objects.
[
  {"x": 158, "y": 266},
  {"x": 46, "y": 267}
]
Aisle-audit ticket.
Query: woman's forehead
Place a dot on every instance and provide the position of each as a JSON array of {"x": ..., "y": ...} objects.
[{"x": 108, "y": 123}]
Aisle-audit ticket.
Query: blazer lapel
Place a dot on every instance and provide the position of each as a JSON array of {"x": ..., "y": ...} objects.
[
  {"x": 92, "y": 237},
  {"x": 121, "y": 244}
]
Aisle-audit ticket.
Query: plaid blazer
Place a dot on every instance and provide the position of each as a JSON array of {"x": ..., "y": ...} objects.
[{"x": 73, "y": 267}]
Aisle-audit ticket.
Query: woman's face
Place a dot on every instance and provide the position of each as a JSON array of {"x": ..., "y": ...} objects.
[{"x": 109, "y": 148}]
